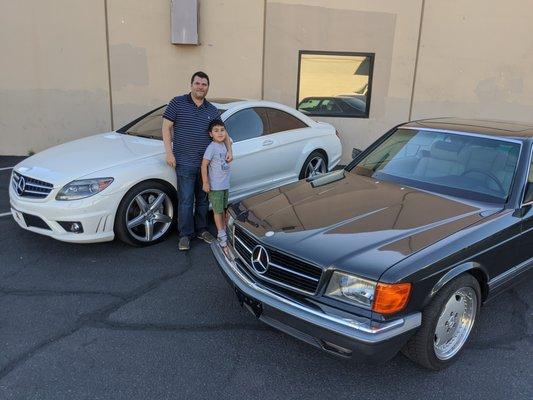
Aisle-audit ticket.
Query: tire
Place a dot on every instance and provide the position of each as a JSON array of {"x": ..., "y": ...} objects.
[
  {"x": 310, "y": 165},
  {"x": 139, "y": 223},
  {"x": 431, "y": 346}
]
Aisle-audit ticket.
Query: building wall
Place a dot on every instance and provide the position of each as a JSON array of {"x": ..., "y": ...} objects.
[
  {"x": 147, "y": 70},
  {"x": 466, "y": 58},
  {"x": 475, "y": 60},
  {"x": 387, "y": 28},
  {"x": 53, "y": 73}
]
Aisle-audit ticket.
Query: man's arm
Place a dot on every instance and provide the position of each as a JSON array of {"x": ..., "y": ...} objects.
[
  {"x": 228, "y": 142},
  {"x": 205, "y": 178},
  {"x": 167, "y": 140}
]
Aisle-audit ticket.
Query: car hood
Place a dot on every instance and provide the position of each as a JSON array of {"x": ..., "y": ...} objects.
[
  {"x": 354, "y": 222},
  {"x": 69, "y": 161}
]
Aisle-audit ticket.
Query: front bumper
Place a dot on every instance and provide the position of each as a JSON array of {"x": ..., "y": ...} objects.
[
  {"x": 96, "y": 215},
  {"x": 356, "y": 337}
]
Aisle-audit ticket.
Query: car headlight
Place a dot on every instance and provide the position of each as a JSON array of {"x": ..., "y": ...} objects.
[
  {"x": 352, "y": 289},
  {"x": 380, "y": 297},
  {"x": 83, "y": 188}
]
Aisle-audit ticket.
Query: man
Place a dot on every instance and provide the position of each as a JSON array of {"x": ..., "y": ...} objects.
[{"x": 185, "y": 135}]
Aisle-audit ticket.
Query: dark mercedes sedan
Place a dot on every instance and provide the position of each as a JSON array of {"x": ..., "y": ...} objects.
[{"x": 399, "y": 250}]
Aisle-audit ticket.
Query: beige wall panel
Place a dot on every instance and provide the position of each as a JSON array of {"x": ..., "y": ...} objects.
[
  {"x": 475, "y": 60},
  {"x": 53, "y": 85},
  {"x": 147, "y": 70},
  {"x": 387, "y": 28}
]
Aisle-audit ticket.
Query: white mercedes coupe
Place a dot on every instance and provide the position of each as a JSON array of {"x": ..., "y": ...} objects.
[{"x": 118, "y": 184}]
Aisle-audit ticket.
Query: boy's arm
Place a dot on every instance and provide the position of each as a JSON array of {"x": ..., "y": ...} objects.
[
  {"x": 205, "y": 178},
  {"x": 228, "y": 142}
]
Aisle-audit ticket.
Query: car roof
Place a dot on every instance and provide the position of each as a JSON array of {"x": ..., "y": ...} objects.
[{"x": 477, "y": 126}]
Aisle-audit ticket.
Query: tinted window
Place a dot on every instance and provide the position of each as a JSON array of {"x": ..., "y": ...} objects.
[
  {"x": 149, "y": 126},
  {"x": 247, "y": 124},
  {"x": 281, "y": 121}
]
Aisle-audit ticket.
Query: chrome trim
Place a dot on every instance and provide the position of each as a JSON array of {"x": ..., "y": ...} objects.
[
  {"x": 507, "y": 275},
  {"x": 351, "y": 328},
  {"x": 464, "y": 133},
  {"x": 293, "y": 272},
  {"x": 266, "y": 278}
]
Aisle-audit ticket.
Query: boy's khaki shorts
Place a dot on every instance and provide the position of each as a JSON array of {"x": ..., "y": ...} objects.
[{"x": 218, "y": 200}]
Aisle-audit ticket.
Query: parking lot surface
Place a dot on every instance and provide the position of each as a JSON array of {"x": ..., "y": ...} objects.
[{"x": 108, "y": 321}]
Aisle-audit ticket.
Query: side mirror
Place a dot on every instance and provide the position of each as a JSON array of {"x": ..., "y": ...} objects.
[
  {"x": 356, "y": 152},
  {"x": 528, "y": 198}
]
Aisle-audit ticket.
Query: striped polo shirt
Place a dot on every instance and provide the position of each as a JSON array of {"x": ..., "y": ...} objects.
[{"x": 190, "y": 137}]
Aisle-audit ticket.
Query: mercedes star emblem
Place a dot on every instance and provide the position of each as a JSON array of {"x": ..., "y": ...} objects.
[
  {"x": 21, "y": 185},
  {"x": 260, "y": 259}
]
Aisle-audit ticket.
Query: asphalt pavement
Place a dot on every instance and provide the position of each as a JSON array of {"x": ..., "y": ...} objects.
[{"x": 108, "y": 321}]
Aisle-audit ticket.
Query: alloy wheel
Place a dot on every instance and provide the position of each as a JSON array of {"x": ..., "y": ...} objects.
[
  {"x": 316, "y": 166},
  {"x": 149, "y": 215},
  {"x": 455, "y": 323}
]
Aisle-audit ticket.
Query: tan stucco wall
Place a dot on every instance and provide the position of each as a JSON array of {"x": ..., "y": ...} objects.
[
  {"x": 388, "y": 28},
  {"x": 53, "y": 73},
  {"x": 147, "y": 71},
  {"x": 54, "y": 84},
  {"x": 476, "y": 60}
]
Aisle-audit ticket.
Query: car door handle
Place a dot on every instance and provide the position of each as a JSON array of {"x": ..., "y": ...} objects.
[{"x": 267, "y": 142}]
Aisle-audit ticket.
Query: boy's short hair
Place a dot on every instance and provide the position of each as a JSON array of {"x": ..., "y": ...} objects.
[
  {"x": 200, "y": 74},
  {"x": 215, "y": 122}
]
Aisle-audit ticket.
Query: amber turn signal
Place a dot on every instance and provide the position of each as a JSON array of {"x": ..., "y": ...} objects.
[{"x": 391, "y": 298}]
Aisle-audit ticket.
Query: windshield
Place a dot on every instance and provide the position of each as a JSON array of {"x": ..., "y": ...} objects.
[
  {"x": 148, "y": 126},
  {"x": 474, "y": 167}
]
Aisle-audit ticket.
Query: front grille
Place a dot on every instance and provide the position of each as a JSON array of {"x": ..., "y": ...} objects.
[
  {"x": 282, "y": 268},
  {"x": 25, "y": 186}
]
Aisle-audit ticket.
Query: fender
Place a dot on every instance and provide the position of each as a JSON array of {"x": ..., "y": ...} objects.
[{"x": 478, "y": 272}]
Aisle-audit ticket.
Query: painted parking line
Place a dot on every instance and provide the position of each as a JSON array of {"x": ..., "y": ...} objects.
[
  {"x": 5, "y": 214},
  {"x": 6, "y": 168}
]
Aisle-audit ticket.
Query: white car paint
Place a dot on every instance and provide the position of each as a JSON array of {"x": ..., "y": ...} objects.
[{"x": 259, "y": 164}]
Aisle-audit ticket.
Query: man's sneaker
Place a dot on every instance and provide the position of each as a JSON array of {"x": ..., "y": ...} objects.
[
  {"x": 206, "y": 237},
  {"x": 184, "y": 243}
]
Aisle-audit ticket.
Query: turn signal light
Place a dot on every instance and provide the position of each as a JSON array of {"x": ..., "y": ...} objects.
[{"x": 391, "y": 298}]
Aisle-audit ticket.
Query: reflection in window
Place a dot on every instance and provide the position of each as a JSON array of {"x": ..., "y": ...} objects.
[
  {"x": 335, "y": 84},
  {"x": 247, "y": 124}
]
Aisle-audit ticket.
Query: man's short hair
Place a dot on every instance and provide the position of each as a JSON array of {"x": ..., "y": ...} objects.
[
  {"x": 200, "y": 74},
  {"x": 215, "y": 122}
]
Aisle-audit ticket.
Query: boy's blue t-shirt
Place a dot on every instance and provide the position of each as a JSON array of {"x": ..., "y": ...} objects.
[{"x": 219, "y": 169}]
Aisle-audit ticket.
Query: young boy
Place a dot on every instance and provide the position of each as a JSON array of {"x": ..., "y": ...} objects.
[{"x": 216, "y": 180}]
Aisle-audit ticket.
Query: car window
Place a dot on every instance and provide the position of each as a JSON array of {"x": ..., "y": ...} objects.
[
  {"x": 282, "y": 121},
  {"x": 247, "y": 124},
  {"x": 464, "y": 165},
  {"x": 328, "y": 105},
  {"x": 308, "y": 104},
  {"x": 148, "y": 126}
]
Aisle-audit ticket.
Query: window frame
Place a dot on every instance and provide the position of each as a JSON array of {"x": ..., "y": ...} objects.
[{"x": 371, "y": 57}]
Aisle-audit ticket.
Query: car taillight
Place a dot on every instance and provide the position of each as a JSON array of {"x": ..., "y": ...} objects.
[{"x": 337, "y": 133}]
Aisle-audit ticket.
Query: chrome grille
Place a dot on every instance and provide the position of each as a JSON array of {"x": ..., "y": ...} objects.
[
  {"x": 25, "y": 186},
  {"x": 282, "y": 269}
]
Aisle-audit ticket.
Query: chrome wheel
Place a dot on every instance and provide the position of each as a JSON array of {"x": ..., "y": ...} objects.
[
  {"x": 315, "y": 166},
  {"x": 455, "y": 323},
  {"x": 149, "y": 215}
]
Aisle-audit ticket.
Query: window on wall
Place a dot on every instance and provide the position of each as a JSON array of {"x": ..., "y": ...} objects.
[{"x": 335, "y": 84}]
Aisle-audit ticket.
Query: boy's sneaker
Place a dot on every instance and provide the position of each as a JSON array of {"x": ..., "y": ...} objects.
[
  {"x": 206, "y": 237},
  {"x": 184, "y": 243}
]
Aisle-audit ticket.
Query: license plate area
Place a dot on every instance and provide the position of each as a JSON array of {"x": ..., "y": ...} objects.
[{"x": 254, "y": 306}]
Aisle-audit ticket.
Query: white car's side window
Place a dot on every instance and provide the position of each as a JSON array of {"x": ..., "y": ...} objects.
[
  {"x": 247, "y": 124},
  {"x": 282, "y": 121}
]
